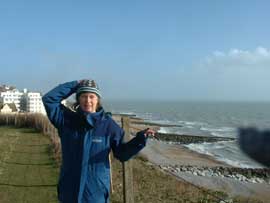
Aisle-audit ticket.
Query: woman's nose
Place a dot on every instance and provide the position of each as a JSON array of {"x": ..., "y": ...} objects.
[{"x": 88, "y": 99}]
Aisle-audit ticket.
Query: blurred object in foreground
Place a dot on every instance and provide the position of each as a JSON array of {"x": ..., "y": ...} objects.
[{"x": 256, "y": 144}]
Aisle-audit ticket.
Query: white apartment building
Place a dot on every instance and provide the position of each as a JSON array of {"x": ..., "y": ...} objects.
[
  {"x": 33, "y": 102},
  {"x": 24, "y": 101},
  {"x": 12, "y": 96}
]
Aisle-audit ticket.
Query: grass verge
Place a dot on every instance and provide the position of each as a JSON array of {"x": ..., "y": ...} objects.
[{"x": 28, "y": 172}]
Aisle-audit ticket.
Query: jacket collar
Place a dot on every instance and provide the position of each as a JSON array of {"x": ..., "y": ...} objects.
[{"x": 92, "y": 118}]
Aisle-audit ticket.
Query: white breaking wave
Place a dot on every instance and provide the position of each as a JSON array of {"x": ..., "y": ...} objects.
[
  {"x": 170, "y": 130},
  {"x": 220, "y": 132},
  {"x": 225, "y": 151},
  {"x": 124, "y": 112},
  {"x": 222, "y": 129},
  {"x": 192, "y": 123},
  {"x": 238, "y": 164},
  {"x": 163, "y": 130}
]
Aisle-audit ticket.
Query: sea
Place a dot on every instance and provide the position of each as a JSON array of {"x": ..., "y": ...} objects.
[{"x": 206, "y": 119}]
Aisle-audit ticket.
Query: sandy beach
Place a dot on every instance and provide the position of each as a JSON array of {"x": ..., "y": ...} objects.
[
  {"x": 161, "y": 153},
  {"x": 164, "y": 154}
]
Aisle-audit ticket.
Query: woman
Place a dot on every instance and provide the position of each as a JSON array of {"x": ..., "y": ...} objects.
[{"x": 87, "y": 136}]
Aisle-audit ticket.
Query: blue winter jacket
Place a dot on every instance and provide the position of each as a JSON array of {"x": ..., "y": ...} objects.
[{"x": 86, "y": 139}]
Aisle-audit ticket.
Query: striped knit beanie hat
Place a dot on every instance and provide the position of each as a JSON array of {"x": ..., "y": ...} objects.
[{"x": 88, "y": 86}]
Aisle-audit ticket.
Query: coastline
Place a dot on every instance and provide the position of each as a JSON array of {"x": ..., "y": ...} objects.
[{"x": 171, "y": 158}]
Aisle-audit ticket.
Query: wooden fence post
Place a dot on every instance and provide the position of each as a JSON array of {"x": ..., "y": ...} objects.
[{"x": 127, "y": 167}]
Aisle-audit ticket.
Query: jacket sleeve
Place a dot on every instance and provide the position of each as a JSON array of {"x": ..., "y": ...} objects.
[
  {"x": 52, "y": 102},
  {"x": 124, "y": 151}
]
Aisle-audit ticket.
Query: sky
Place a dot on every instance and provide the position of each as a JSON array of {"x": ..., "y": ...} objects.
[{"x": 141, "y": 49}]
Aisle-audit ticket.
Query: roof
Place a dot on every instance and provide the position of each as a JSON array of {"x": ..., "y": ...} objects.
[{"x": 12, "y": 106}]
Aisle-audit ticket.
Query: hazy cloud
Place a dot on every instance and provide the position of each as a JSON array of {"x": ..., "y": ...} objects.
[
  {"x": 259, "y": 58},
  {"x": 236, "y": 74}
]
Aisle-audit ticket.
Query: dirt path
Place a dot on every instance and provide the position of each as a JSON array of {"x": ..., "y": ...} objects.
[{"x": 27, "y": 169}]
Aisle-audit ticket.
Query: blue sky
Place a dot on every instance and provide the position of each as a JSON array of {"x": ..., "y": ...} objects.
[{"x": 143, "y": 49}]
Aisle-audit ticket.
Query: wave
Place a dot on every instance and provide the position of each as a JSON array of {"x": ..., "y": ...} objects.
[
  {"x": 220, "y": 132},
  {"x": 221, "y": 129},
  {"x": 217, "y": 134},
  {"x": 199, "y": 148},
  {"x": 163, "y": 130},
  {"x": 225, "y": 151},
  {"x": 192, "y": 123},
  {"x": 203, "y": 128},
  {"x": 124, "y": 112},
  {"x": 170, "y": 130},
  {"x": 239, "y": 164}
]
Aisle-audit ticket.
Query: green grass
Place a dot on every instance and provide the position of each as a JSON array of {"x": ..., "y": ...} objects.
[{"x": 28, "y": 172}]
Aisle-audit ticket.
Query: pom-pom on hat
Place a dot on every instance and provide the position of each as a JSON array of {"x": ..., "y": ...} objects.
[{"x": 88, "y": 86}]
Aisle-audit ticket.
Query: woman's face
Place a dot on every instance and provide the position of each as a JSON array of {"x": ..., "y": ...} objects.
[{"x": 88, "y": 102}]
